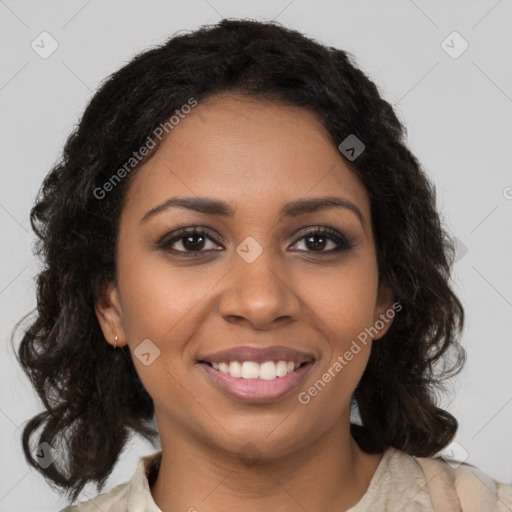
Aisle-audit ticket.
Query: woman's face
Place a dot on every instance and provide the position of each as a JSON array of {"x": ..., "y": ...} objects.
[{"x": 255, "y": 279}]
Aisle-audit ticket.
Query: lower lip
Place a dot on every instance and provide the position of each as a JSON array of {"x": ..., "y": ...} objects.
[{"x": 257, "y": 390}]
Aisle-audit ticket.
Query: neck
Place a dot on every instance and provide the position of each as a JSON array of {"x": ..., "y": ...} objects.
[{"x": 328, "y": 474}]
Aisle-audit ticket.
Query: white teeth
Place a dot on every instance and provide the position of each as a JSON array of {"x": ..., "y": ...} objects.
[
  {"x": 224, "y": 367},
  {"x": 269, "y": 370},
  {"x": 282, "y": 368},
  {"x": 250, "y": 370},
  {"x": 235, "y": 369}
]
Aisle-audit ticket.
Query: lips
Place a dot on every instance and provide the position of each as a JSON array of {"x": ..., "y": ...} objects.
[{"x": 281, "y": 371}]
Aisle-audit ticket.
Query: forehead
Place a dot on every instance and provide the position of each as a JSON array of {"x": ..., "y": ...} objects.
[{"x": 253, "y": 154}]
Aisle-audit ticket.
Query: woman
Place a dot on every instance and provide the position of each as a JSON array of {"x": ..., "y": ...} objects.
[{"x": 239, "y": 245}]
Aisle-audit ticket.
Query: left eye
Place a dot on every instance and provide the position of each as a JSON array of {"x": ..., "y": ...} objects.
[
  {"x": 312, "y": 240},
  {"x": 341, "y": 243},
  {"x": 193, "y": 241}
]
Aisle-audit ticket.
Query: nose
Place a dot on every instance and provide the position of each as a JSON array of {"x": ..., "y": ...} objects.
[{"x": 259, "y": 294}]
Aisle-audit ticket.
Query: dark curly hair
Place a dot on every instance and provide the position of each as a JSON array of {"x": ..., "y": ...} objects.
[{"x": 92, "y": 394}]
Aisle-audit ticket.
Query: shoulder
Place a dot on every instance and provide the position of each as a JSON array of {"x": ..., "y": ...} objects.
[
  {"x": 131, "y": 496},
  {"x": 504, "y": 496},
  {"x": 460, "y": 486}
]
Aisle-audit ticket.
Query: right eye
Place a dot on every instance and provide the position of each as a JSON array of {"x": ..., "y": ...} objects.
[{"x": 192, "y": 241}]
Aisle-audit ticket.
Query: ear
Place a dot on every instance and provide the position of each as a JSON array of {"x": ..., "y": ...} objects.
[
  {"x": 384, "y": 310},
  {"x": 109, "y": 313}
]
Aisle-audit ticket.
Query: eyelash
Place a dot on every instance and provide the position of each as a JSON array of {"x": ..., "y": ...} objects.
[{"x": 341, "y": 240}]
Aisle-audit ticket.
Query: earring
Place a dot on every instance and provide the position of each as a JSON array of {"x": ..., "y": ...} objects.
[{"x": 115, "y": 342}]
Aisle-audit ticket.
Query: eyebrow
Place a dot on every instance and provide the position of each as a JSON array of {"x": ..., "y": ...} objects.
[{"x": 295, "y": 208}]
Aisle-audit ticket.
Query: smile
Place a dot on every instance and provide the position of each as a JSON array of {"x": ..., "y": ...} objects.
[{"x": 256, "y": 382}]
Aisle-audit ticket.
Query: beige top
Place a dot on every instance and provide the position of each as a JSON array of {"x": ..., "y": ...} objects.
[{"x": 399, "y": 483}]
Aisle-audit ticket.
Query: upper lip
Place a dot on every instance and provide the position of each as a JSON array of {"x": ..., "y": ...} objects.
[{"x": 259, "y": 355}]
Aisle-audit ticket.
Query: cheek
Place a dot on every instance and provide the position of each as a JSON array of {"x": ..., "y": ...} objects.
[
  {"x": 343, "y": 298},
  {"x": 344, "y": 311},
  {"x": 166, "y": 305},
  {"x": 343, "y": 304},
  {"x": 157, "y": 298}
]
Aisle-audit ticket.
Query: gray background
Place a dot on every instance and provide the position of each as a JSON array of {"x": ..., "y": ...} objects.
[{"x": 457, "y": 112}]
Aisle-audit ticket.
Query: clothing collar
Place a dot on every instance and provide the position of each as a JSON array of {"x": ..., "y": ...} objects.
[
  {"x": 392, "y": 467},
  {"x": 139, "y": 495}
]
